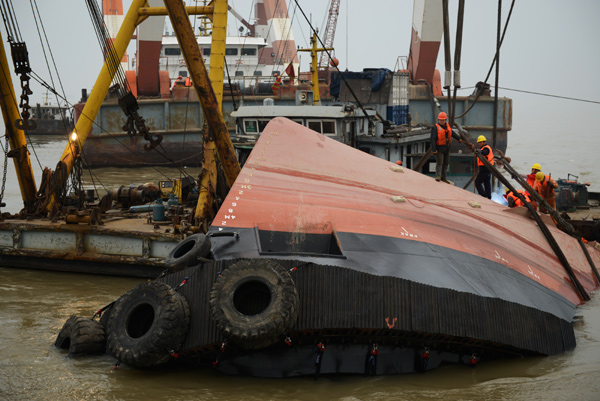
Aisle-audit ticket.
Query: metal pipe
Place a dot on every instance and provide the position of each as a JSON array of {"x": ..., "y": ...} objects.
[{"x": 190, "y": 10}]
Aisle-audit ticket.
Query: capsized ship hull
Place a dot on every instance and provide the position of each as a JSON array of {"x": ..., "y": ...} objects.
[{"x": 329, "y": 260}]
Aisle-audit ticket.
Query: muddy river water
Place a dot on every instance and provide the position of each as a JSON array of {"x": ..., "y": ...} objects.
[{"x": 35, "y": 304}]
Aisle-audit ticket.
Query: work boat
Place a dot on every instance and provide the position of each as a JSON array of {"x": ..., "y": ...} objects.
[{"x": 324, "y": 259}]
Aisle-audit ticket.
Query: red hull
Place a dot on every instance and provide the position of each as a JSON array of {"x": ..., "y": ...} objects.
[{"x": 301, "y": 182}]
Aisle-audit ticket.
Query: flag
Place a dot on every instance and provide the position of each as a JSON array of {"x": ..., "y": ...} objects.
[
  {"x": 290, "y": 71},
  {"x": 276, "y": 85}
]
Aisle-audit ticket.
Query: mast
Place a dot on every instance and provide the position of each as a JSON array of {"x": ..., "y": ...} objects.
[
  {"x": 16, "y": 137},
  {"x": 314, "y": 51}
]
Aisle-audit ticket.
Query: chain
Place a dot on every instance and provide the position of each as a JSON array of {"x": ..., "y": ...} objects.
[
  {"x": 20, "y": 58},
  {"x": 5, "y": 167}
]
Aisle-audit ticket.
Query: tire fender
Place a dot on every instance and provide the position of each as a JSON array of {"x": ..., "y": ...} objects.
[
  {"x": 186, "y": 253},
  {"x": 81, "y": 336},
  {"x": 254, "y": 303},
  {"x": 147, "y": 323}
]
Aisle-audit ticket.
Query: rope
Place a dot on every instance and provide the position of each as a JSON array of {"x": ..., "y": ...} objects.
[
  {"x": 545, "y": 231},
  {"x": 480, "y": 91}
]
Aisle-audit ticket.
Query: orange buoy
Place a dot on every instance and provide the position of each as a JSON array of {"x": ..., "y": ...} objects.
[{"x": 334, "y": 62}]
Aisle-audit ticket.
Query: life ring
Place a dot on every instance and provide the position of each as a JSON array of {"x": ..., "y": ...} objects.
[
  {"x": 254, "y": 303},
  {"x": 147, "y": 324},
  {"x": 81, "y": 336},
  {"x": 186, "y": 253}
]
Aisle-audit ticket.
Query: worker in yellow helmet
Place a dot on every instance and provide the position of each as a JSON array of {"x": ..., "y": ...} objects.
[
  {"x": 441, "y": 139},
  {"x": 483, "y": 181},
  {"x": 531, "y": 177},
  {"x": 545, "y": 185}
]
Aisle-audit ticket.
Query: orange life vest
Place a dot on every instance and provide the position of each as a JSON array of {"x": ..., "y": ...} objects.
[
  {"x": 490, "y": 156},
  {"x": 546, "y": 189},
  {"x": 517, "y": 202},
  {"x": 444, "y": 135}
]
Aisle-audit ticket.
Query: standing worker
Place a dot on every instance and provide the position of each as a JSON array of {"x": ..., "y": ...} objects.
[
  {"x": 545, "y": 187},
  {"x": 483, "y": 182},
  {"x": 441, "y": 138}
]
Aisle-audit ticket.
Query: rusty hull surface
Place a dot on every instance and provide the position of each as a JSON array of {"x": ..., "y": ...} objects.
[{"x": 125, "y": 247}]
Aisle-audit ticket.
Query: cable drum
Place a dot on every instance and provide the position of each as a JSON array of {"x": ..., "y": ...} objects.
[
  {"x": 148, "y": 324},
  {"x": 254, "y": 303}
]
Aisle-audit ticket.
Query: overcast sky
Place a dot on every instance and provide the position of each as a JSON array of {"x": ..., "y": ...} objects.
[{"x": 550, "y": 47}]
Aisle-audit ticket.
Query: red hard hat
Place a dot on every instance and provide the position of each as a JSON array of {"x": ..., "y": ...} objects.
[
  {"x": 399, "y": 162},
  {"x": 442, "y": 116}
]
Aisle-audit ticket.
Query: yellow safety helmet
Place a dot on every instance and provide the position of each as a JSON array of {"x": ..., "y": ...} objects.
[
  {"x": 536, "y": 166},
  {"x": 507, "y": 190},
  {"x": 539, "y": 176},
  {"x": 481, "y": 138}
]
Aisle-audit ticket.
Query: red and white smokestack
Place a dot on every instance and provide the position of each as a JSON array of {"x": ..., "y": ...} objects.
[
  {"x": 149, "y": 40},
  {"x": 113, "y": 18},
  {"x": 427, "y": 31},
  {"x": 273, "y": 23}
]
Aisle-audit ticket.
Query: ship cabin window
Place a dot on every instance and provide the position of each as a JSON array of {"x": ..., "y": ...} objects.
[
  {"x": 182, "y": 74},
  {"x": 325, "y": 127},
  {"x": 254, "y": 126},
  {"x": 298, "y": 121},
  {"x": 206, "y": 51},
  {"x": 262, "y": 124},
  {"x": 239, "y": 73},
  {"x": 231, "y": 52},
  {"x": 258, "y": 73},
  {"x": 172, "y": 51},
  {"x": 248, "y": 52},
  {"x": 250, "y": 126}
]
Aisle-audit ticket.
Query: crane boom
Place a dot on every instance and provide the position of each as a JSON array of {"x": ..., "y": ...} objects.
[{"x": 334, "y": 10}]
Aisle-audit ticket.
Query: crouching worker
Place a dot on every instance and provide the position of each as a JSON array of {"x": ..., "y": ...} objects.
[
  {"x": 514, "y": 201},
  {"x": 545, "y": 187}
]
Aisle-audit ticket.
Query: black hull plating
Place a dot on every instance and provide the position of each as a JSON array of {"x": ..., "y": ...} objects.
[{"x": 348, "y": 311}]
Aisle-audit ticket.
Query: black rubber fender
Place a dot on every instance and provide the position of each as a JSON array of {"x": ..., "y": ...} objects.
[
  {"x": 254, "y": 303},
  {"x": 186, "y": 253},
  {"x": 147, "y": 324},
  {"x": 81, "y": 336}
]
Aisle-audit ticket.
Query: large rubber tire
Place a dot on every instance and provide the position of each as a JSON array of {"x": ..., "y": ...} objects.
[
  {"x": 147, "y": 324},
  {"x": 81, "y": 336},
  {"x": 254, "y": 303},
  {"x": 186, "y": 253}
]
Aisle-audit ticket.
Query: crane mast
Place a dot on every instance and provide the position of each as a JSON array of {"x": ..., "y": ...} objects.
[{"x": 334, "y": 10}]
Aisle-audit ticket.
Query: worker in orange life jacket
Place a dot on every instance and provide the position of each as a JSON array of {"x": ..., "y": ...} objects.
[
  {"x": 514, "y": 201},
  {"x": 531, "y": 177},
  {"x": 545, "y": 186},
  {"x": 483, "y": 181},
  {"x": 178, "y": 81},
  {"x": 441, "y": 139}
]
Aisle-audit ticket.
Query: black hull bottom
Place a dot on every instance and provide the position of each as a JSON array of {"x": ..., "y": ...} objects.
[{"x": 350, "y": 312}]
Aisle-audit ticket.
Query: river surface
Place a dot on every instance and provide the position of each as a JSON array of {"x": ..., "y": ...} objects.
[{"x": 35, "y": 304}]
